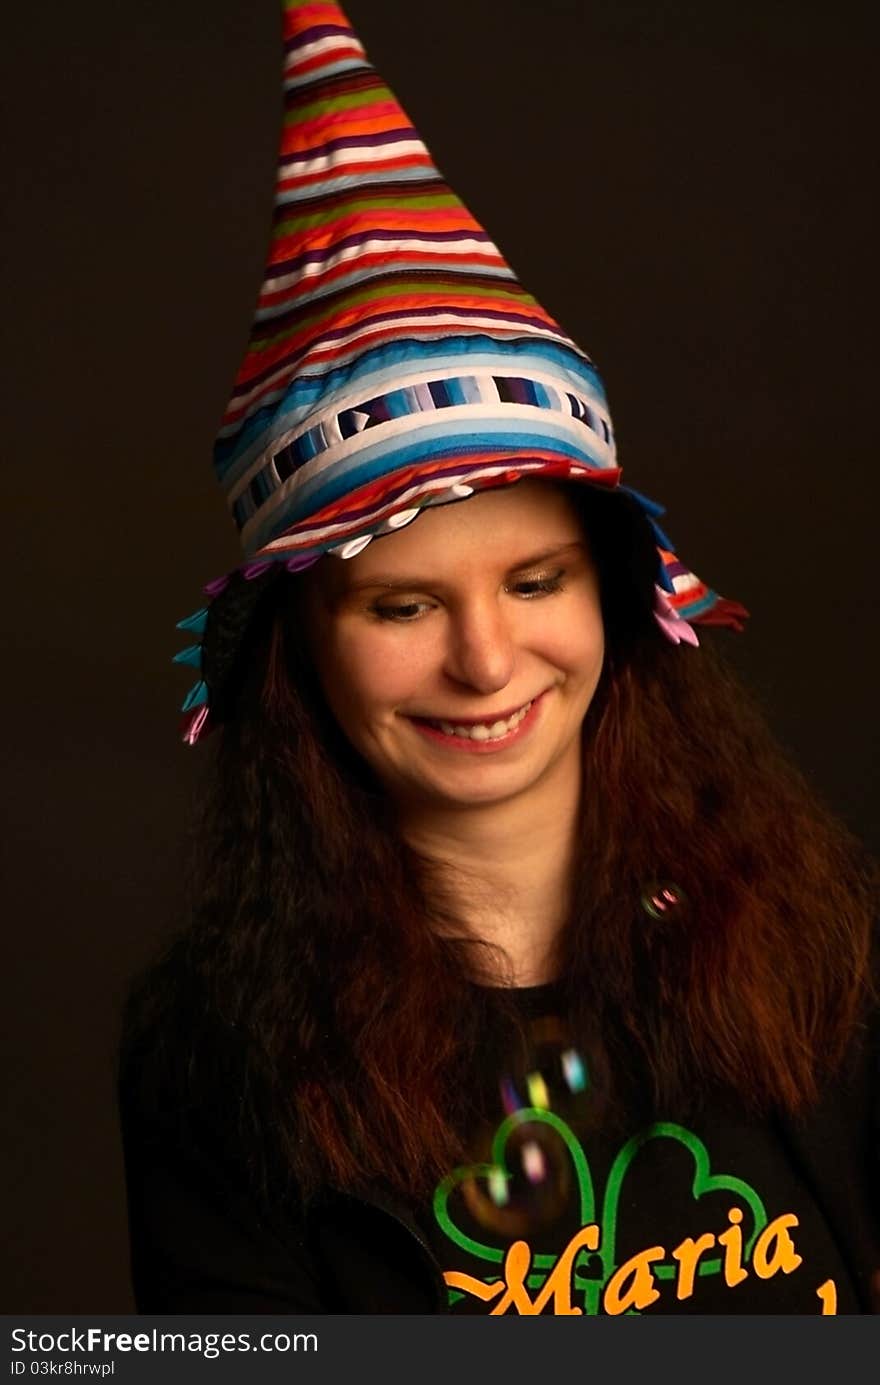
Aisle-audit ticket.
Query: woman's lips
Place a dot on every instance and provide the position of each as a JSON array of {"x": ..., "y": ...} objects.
[{"x": 452, "y": 741}]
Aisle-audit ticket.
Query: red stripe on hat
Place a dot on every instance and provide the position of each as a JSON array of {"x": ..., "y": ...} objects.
[
  {"x": 299, "y": 18},
  {"x": 376, "y": 119},
  {"x": 301, "y": 66}
]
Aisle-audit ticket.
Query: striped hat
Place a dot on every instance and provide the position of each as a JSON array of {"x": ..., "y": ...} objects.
[{"x": 395, "y": 361}]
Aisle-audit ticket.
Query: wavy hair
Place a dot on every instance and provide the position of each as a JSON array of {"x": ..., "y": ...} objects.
[{"x": 323, "y": 998}]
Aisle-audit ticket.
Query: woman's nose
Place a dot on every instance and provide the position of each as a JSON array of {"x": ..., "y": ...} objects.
[{"x": 481, "y": 652}]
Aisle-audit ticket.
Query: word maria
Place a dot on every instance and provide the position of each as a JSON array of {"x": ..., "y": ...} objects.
[{"x": 634, "y": 1286}]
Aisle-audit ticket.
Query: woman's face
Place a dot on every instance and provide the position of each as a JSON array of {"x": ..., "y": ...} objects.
[{"x": 460, "y": 655}]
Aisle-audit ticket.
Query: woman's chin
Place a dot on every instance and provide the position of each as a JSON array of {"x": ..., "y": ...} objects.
[{"x": 474, "y": 786}]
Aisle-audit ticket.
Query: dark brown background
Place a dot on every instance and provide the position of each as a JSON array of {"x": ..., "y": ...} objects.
[{"x": 682, "y": 184}]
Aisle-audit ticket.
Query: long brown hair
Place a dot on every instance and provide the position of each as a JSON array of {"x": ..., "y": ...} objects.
[{"x": 325, "y": 1003}]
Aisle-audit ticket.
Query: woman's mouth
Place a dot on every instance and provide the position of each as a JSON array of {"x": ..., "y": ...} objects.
[
  {"x": 483, "y": 730},
  {"x": 490, "y": 734}
]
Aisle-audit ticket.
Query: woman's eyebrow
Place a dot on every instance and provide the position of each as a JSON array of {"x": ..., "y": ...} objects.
[
  {"x": 410, "y": 581},
  {"x": 546, "y": 553}
]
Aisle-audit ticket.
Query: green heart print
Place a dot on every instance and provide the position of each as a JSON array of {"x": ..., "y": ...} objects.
[{"x": 585, "y": 1283}]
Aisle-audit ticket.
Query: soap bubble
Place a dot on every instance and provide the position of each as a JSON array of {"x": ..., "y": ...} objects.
[
  {"x": 533, "y": 1183},
  {"x": 574, "y": 1069},
  {"x": 662, "y": 898},
  {"x": 529, "y": 1190}
]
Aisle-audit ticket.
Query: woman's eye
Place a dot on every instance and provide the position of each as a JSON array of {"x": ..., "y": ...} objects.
[
  {"x": 403, "y": 611},
  {"x": 407, "y": 610},
  {"x": 539, "y": 586}
]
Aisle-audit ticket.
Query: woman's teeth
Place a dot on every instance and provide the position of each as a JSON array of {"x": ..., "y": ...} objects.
[{"x": 483, "y": 731}]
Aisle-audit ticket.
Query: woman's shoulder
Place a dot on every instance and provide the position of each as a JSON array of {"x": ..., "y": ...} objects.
[
  {"x": 188, "y": 1089},
  {"x": 176, "y": 1055},
  {"x": 206, "y": 1234}
]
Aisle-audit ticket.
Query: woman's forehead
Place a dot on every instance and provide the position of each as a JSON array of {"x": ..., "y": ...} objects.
[{"x": 512, "y": 526}]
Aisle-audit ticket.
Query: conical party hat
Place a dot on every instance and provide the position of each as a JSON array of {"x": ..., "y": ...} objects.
[{"x": 395, "y": 361}]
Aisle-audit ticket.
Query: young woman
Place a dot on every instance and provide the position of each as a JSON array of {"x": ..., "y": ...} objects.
[{"x": 525, "y": 975}]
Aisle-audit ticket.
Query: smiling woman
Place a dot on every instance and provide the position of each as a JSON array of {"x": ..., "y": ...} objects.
[
  {"x": 524, "y": 974},
  {"x": 466, "y": 687},
  {"x": 495, "y": 650}
]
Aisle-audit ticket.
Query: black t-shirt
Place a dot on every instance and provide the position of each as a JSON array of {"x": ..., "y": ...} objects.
[{"x": 556, "y": 1213}]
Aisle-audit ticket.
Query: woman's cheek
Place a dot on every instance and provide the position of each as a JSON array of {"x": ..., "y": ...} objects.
[{"x": 375, "y": 667}]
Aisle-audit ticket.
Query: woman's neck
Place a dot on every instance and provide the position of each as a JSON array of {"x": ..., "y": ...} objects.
[{"x": 506, "y": 870}]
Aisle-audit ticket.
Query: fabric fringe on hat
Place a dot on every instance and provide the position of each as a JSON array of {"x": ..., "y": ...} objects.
[{"x": 395, "y": 361}]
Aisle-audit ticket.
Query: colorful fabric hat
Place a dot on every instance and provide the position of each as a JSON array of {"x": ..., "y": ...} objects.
[{"x": 395, "y": 361}]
